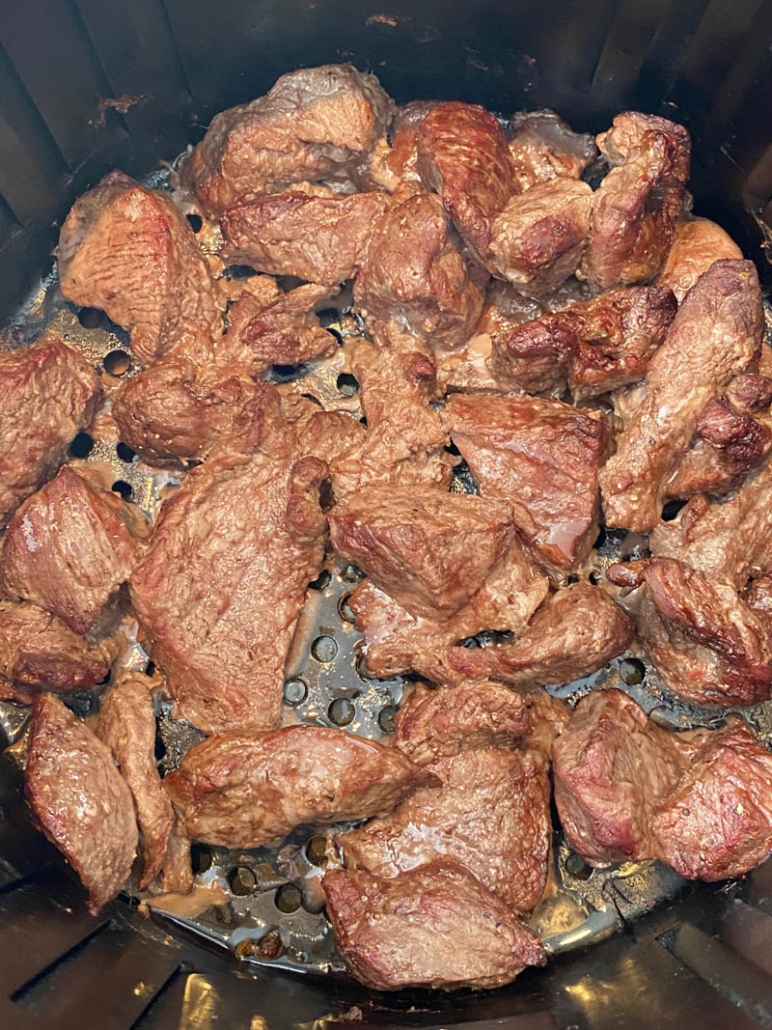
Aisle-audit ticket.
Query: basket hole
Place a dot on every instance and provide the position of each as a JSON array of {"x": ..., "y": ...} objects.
[
  {"x": 347, "y": 384},
  {"x": 321, "y": 581},
  {"x": 195, "y": 221},
  {"x": 125, "y": 453},
  {"x": 120, "y": 486},
  {"x": 91, "y": 318},
  {"x": 81, "y": 446},
  {"x": 341, "y": 712},
  {"x": 117, "y": 362},
  {"x": 671, "y": 509}
]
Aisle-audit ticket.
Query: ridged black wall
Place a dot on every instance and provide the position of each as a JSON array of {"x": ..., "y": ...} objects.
[{"x": 707, "y": 64}]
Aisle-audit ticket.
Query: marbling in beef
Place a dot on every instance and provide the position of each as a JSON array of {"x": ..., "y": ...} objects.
[
  {"x": 544, "y": 148},
  {"x": 715, "y": 336},
  {"x": 80, "y": 800},
  {"x": 697, "y": 243},
  {"x": 314, "y": 123},
  {"x": 131, "y": 252},
  {"x": 47, "y": 393},
  {"x": 69, "y": 547},
  {"x": 434, "y": 926},
  {"x": 242, "y": 789}
]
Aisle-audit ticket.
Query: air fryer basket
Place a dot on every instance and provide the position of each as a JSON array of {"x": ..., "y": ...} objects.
[{"x": 87, "y": 85}]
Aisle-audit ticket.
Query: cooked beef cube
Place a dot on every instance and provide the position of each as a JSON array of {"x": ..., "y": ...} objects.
[
  {"x": 537, "y": 240},
  {"x": 315, "y": 123},
  {"x": 414, "y": 275},
  {"x": 127, "y": 726},
  {"x": 223, "y": 582},
  {"x": 636, "y": 206},
  {"x": 435, "y": 926},
  {"x": 727, "y": 445},
  {"x": 131, "y": 252},
  {"x": 68, "y": 548},
  {"x": 39, "y": 652},
  {"x": 176, "y": 412},
  {"x": 80, "y": 800},
  {"x": 242, "y": 790},
  {"x": 543, "y": 457},
  {"x": 446, "y": 720},
  {"x": 715, "y": 335},
  {"x": 431, "y": 551},
  {"x": 612, "y": 766},
  {"x": 47, "y": 393},
  {"x": 578, "y": 632},
  {"x": 395, "y": 166},
  {"x": 717, "y": 823},
  {"x": 177, "y": 873},
  {"x": 589, "y": 348},
  {"x": 707, "y": 645},
  {"x": 543, "y": 148},
  {"x": 397, "y": 642},
  {"x": 696, "y": 245},
  {"x": 318, "y": 238},
  {"x": 323, "y": 434},
  {"x": 727, "y": 542},
  {"x": 463, "y": 155},
  {"x": 405, "y": 441},
  {"x": 508, "y": 854}
]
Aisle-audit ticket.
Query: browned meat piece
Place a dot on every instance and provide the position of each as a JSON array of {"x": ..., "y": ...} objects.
[
  {"x": 405, "y": 441},
  {"x": 47, "y": 393},
  {"x": 508, "y": 854},
  {"x": 445, "y": 720},
  {"x": 612, "y": 766},
  {"x": 127, "y": 726},
  {"x": 394, "y": 167},
  {"x": 131, "y": 252},
  {"x": 431, "y": 551},
  {"x": 39, "y": 652},
  {"x": 543, "y": 457},
  {"x": 415, "y": 275},
  {"x": 397, "y": 643},
  {"x": 80, "y": 800},
  {"x": 589, "y": 348},
  {"x": 68, "y": 548},
  {"x": 696, "y": 245},
  {"x": 221, "y": 587},
  {"x": 177, "y": 873},
  {"x": 320, "y": 239},
  {"x": 176, "y": 412},
  {"x": 715, "y": 336},
  {"x": 639, "y": 201},
  {"x": 728, "y": 445},
  {"x": 717, "y": 823},
  {"x": 704, "y": 641},
  {"x": 577, "y": 633},
  {"x": 315, "y": 123},
  {"x": 728, "y": 542},
  {"x": 463, "y": 155},
  {"x": 242, "y": 790},
  {"x": 436, "y": 926},
  {"x": 759, "y": 600},
  {"x": 543, "y": 148},
  {"x": 537, "y": 240}
]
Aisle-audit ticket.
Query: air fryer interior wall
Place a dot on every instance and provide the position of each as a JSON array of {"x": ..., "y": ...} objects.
[{"x": 88, "y": 85}]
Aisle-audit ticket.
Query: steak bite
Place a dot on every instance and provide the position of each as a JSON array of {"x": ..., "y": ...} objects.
[
  {"x": 394, "y": 166},
  {"x": 69, "y": 547},
  {"x": 429, "y": 550},
  {"x": 463, "y": 155},
  {"x": 127, "y": 726},
  {"x": 243, "y": 790},
  {"x": 707, "y": 644},
  {"x": 508, "y": 854},
  {"x": 589, "y": 348},
  {"x": 537, "y": 240},
  {"x": 221, "y": 587},
  {"x": 318, "y": 238},
  {"x": 636, "y": 206},
  {"x": 543, "y": 457},
  {"x": 715, "y": 336},
  {"x": 131, "y": 252},
  {"x": 47, "y": 393},
  {"x": 697, "y": 243},
  {"x": 40, "y": 652},
  {"x": 80, "y": 800},
  {"x": 415, "y": 277},
  {"x": 314, "y": 123},
  {"x": 435, "y": 926},
  {"x": 544, "y": 148}
]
